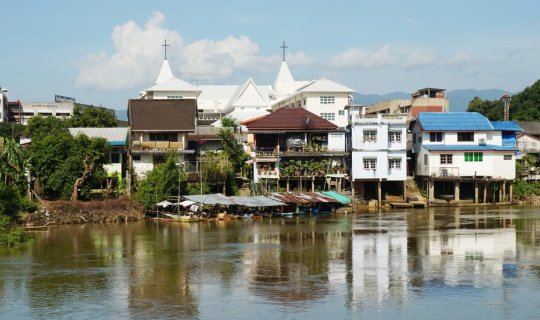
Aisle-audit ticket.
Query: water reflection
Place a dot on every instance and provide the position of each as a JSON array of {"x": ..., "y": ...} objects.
[{"x": 343, "y": 266}]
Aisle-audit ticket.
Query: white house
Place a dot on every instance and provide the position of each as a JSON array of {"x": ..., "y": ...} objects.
[
  {"x": 378, "y": 154},
  {"x": 459, "y": 152}
]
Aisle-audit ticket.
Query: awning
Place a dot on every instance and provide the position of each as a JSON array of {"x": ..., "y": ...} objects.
[
  {"x": 258, "y": 201},
  {"x": 210, "y": 199},
  {"x": 164, "y": 204},
  {"x": 186, "y": 203},
  {"x": 341, "y": 198}
]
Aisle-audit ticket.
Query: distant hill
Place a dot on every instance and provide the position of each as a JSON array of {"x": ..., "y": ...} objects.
[
  {"x": 121, "y": 115},
  {"x": 459, "y": 99}
]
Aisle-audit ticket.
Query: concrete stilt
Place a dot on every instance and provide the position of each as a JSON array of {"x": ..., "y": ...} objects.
[
  {"x": 312, "y": 184},
  {"x": 476, "y": 192},
  {"x": 485, "y": 184},
  {"x": 510, "y": 190},
  {"x": 504, "y": 191},
  {"x": 431, "y": 190},
  {"x": 405, "y": 190},
  {"x": 379, "y": 193},
  {"x": 456, "y": 190}
]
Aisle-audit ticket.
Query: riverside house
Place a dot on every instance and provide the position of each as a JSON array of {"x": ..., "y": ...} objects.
[
  {"x": 294, "y": 149},
  {"x": 160, "y": 127},
  {"x": 378, "y": 154},
  {"x": 465, "y": 157}
]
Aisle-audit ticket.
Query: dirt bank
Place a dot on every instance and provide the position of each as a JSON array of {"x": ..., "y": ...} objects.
[{"x": 77, "y": 212}]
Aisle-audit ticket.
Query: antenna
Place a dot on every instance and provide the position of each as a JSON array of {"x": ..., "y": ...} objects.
[{"x": 197, "y": 77}]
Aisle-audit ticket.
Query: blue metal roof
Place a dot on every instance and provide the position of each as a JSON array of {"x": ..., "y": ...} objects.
[
  {"x": 454, "y": 121},
  {"x": 470, "y": 147},
  {"x": 506, "y": 126}
]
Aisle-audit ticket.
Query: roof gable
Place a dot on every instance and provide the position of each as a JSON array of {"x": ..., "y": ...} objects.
[
  {"x": 291, "y": 118},
  {"x": 453, "y": 121},
  {"x": 324, "y": 85},
  {"x": 248, "y": 95},
  {"x": 162, "y": 115}
]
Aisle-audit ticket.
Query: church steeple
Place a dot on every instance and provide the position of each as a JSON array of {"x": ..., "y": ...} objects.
[
  {"x": 284, "y": 80},
  {"x": 165, "y": 73}
]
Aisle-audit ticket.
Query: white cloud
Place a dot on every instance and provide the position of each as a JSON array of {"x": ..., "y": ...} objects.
[
  {"x": 419, "y": 57},
  {"x": 138, "y": 55},
  {"x": 361, "y": 58},
  {"x": 459, "y": 59}
]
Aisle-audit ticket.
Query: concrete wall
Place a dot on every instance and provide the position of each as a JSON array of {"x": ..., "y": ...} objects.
[
  {"x": 382, "y": 170},
  {"x": 336, "y": 141}
]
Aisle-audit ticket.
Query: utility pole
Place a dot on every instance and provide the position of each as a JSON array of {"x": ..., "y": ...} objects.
[{"x": 506, "y": 100}]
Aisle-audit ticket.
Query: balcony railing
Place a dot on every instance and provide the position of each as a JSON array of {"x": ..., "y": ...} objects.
[
  {"x": 442, "y": 172},
  {"x": 156, "y": 145},
  {"x": 267, "y": 152}
]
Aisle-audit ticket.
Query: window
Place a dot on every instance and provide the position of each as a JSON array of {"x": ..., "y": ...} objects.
[
  {"x": 370, "y": 136},
  {"x": 446, "y": 159},
  {"x": 370, "y": 164},
  {"x": 115, "y": 158},
  {"x": 305, "y": 101},
  {"x": 414, "y": 137},
  {"x": 426, "y": 159},
  {"x": 341, "y": 112},
  {"x": 328, "y": 99},
  {"x": 175, "y": 97},
  {"x": 507, "y": 157},
  {"x": 137, "y": 157},
  {"x": 394, "y": 136},
  {"x": 465, "y": 136},
  {"x": 394, "y": 163},
  {"x": 435, "y": 136},
  {"x": 164, "y": 136},
  {"x": 330, "y": 116},
  {"x": 474, "y": 156}
]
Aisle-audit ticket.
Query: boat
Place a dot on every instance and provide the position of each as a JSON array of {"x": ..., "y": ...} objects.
[{"x": 183, "y": 218}]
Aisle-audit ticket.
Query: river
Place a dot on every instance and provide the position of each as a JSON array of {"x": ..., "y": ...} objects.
[{"x": 444, "y": 263}]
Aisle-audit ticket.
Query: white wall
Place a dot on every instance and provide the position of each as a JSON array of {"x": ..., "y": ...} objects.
[
  {"x": 382, "y": 170},
  {"x": 159, "y": 95},
  {"x": 493, "y": 165},
  {"x": 336, "y": 141}
]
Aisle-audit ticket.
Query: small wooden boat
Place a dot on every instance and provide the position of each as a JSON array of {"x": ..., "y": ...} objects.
[{"x": 447, "y": 197}]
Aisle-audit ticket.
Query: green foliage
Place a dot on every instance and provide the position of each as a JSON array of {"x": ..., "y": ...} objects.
[
  {"x": 492, "y": 109},
  {"x": 229, "y": 122},
  {"x": 10, "y": 235},
  {"x": 10, "y": 201},
  {"x": 58, "y": 159},
  {"x": 234, "y": 152},
  {"x": 165, "y": 180},
  {"x": 39, "y": 127},
  {"x": 11, "y": 130},
  {"x": 12, "y": 163},
  {"x": 92, "y": 117},
  {"x": 524, "y": 105},
  {"x": 524, "y": 189}
]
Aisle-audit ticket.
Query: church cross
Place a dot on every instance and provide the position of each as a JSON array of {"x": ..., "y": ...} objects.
[
  {"x": 283, "y": 47},
  {"x": 165, "y": 47}
]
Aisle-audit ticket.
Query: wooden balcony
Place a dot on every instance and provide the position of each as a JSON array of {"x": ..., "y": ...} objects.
[{"x": 156, "y": 145}]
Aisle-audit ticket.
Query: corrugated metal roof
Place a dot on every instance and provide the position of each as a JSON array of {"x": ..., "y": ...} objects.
[
  {"x": 292, "y": 118},
  {"x": 257, "y": 201},
  {"x": 472, "y": 147},
  {"x": 530, "y": 127},
  {"x": 454, "y": 121},
  {"x": 114, "y": 136},
  {"x": 302, "y": 197},
  {"x": 506, "y": 126}
]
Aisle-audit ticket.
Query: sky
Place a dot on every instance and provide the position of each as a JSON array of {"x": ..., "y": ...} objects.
[{"x": 106, "y": 52}]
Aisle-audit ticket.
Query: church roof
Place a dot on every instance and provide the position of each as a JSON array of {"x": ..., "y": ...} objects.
[
  {"x": 162, "y": 115},
  {"x": 165, "y": 73},
  {"x": 247, "y": 95},
  {"x": 174, "y": 85},
  {"x": 284, "y": 74},
  {"x": 293, "y": 119}
]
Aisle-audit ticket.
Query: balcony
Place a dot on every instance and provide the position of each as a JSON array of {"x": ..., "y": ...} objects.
[
  {"x": 381, "y": 118},
  {"x": 156, "y": 146},
  {"x": 266, "y": 152},
  {"x": 444, "y": 172}
]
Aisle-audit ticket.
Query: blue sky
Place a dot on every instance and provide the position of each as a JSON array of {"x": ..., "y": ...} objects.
[{"x": 105, "y": 52}]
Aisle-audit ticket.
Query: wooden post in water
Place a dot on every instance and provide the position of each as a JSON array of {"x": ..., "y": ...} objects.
[
  {"x": 504, "y": 191},
  {"x": 485, "y": 191},
  {"x": 476, "y": 192},
  {"x": 379, "y": 193}
]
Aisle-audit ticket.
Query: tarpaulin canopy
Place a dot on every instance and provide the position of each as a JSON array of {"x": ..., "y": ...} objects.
[
  {"x": 258, "y": 201},
  {"x": 210, "y": 199},
  {"x": 302, "y": 197},
  {"x": 341, "y": 198},
  {"x": 164, "y": 204}
]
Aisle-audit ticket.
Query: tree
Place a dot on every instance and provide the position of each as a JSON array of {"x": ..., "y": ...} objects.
[
  {"x": 492, "y": 109},
  {"x": 12, "y": 163},
  {"x": 11, "y": 130},
  {"x": 165, "y": 180},
  {"x": 91, "y": 154},
  {"x": 39, "y": 127},
  {"x": 525, "y": 105},
  {"x": 92, "y": 117}
]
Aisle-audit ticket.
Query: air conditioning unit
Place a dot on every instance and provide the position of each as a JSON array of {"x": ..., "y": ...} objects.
[{"x": 482, "y": 142}]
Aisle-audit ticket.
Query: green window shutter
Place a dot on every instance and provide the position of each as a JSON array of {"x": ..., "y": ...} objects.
[
  {"x": 481, "y": 156},
  {"x": 476, "y": 156}
]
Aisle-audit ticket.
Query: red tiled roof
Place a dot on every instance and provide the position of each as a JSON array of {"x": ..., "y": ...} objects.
[{"x": 291, "y": 118}]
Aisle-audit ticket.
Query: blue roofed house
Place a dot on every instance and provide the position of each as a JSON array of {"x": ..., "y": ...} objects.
[{"x": 464, "y": 155}]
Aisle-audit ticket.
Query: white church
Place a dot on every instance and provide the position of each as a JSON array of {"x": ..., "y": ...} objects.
[{"x": 323, "y": 97}]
